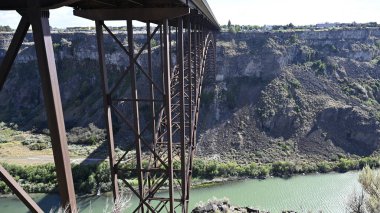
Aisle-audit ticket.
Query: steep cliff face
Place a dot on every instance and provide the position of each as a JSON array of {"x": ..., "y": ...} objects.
[
  {"x": 294, "y": 95},
  {"x": 76, "y": 56},
  {"x": 278, "y": 96}
]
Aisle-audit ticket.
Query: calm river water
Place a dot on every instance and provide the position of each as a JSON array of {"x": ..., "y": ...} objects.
[{"x": 327, "y": 192}]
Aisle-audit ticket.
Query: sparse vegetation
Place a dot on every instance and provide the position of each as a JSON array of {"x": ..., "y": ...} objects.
[
  {"x": 294, "y": 39},
  {"x": 90, "y": 178},
  {"x": 10, "y": 134},
  {"x": 42, "y": 178},
  {"x": 368, "y": 202},
  {"x": 5, "y": 29},
  {"x": 90, "y": 135},
  {"x": 320, "y": 67},
  {"x": 153, "y": 43},
  {"x": 377, "y": 43}
]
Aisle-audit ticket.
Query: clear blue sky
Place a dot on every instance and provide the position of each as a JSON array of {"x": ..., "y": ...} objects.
[{"x": 252, "y": 12}]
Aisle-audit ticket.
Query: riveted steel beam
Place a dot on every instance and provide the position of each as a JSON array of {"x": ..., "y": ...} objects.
[{"x": 52, "y": 98}]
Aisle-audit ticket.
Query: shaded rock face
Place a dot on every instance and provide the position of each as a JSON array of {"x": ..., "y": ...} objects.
[
  {"x": 276, "y": 96},
  {"x": 351, "y": 129}
]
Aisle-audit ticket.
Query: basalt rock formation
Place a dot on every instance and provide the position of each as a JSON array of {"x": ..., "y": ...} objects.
[{"x": 276, "y": 95}]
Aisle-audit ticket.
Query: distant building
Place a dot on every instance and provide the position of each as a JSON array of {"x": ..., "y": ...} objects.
[
  {"x": 268, "y": 27},
  {"x": 326, "y": 25}
]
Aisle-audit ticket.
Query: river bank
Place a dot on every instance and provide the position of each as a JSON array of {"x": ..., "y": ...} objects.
[
  {"x": 301, "y": 193},
  {"x": 95, "y": 178}
]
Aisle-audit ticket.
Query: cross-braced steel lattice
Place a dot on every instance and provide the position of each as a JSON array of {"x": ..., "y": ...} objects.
[{"x": 164, "y": 136}]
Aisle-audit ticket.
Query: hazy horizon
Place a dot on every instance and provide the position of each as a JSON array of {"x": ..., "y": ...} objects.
[{"x": 249, "y": 12}]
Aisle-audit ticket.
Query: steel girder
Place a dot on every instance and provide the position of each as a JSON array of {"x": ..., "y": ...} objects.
[{"x": 39, "y": 20}]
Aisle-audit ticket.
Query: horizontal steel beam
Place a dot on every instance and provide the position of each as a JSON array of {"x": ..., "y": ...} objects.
[{"x": 140, "y": 14}]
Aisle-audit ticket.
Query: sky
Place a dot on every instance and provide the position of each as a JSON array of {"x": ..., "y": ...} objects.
[{"x": 250, "y": 12}]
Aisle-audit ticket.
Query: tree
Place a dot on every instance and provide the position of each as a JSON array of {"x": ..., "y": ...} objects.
[
  {"x": 5, "y": 28},
  {"x": 231, "y": 28},
  {"x": 370, "y": 181},
  {"x": 356, "y": 203},
  {"x": 370, "y": 200}
]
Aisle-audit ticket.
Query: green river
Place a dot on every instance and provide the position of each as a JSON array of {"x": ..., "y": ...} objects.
[{"x": 325, "y": 192}]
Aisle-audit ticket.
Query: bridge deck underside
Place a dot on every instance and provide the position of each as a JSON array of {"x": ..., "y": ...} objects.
[{"x": 199, "y": 5}]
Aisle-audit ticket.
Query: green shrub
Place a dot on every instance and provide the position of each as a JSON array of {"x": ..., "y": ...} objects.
[
  {"x": 264, "y": 171},
  {"x": 345, "y": 165},
  {"x": 377, "y": 43},
  {"x": 294, "y": 39},
  {"x": 37, "y": 142},
  {"x": 320, "y": 67},
  {"x": 324, "y": 167},
  {"x": 283, "y": 168},
  {"x": 252, "y": 170},
  {"x": 368, "y": 161},
  {"x": 90, "y": 135},
  {"x": 5, "y": 28}
]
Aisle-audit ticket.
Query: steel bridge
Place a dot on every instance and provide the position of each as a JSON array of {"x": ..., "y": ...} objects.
[{"x": 164, "y": 140}]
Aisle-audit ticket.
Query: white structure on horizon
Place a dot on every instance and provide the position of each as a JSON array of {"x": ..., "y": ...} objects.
[
  {"x": 267, "y": 27},
  {"x": 326, "y": 25}
]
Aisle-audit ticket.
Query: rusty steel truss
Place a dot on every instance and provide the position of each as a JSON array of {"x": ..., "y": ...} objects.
[
  {"x": 156, "y": 98},
  {"x": 164, "y": 143}
]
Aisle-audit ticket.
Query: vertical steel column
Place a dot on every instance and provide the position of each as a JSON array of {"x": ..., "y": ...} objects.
[
  {"x": 13, "y": 49},
  {"x": 21, "y": 194},
  {"x": 162, "y": 49},
  {"x": 196, "y": 52},
  {"x": 176, "y": 42},
  {"x": 153, "y": 110},
  {"x": 136, "y": 115},
  {"x": 190, "y": 76},
  {"x": 214, "y": 51},
  {"x": 199, "y": 45},
  {"x": 170, "y": 46},
  {"x": 190, "y": 106},
  {"x": 168, "y": 109},
  {"x": 107, "y": 102},
  {"x": 180, "y": 62},
  {"x": 45, "y": 55}
]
